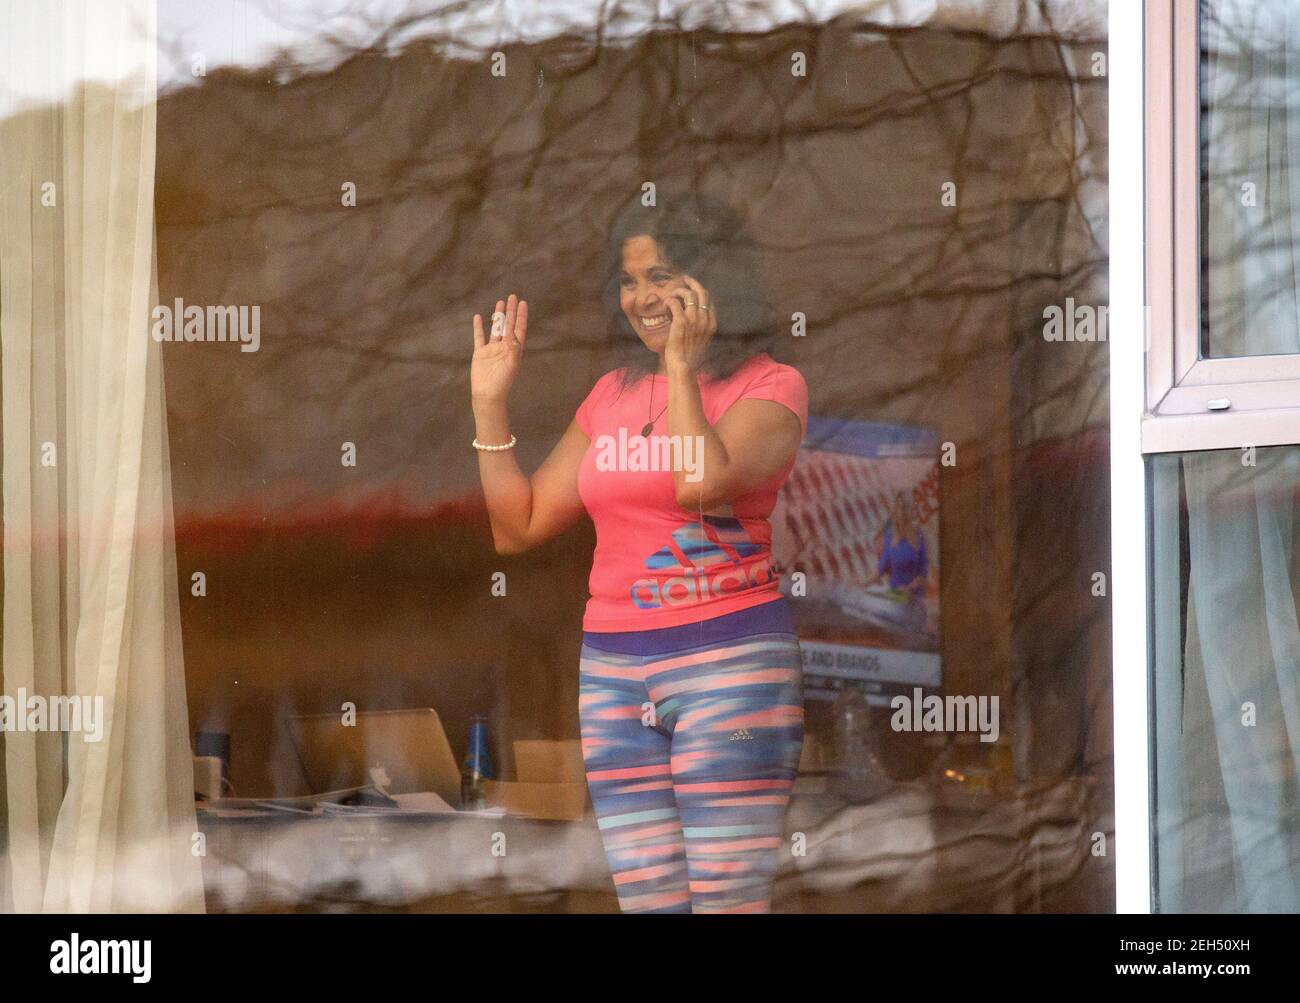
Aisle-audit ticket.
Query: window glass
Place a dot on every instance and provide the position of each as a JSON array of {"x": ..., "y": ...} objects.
[
  {"x": 1227, "y": 713},
  {"x": 1250, "y": 177},
  {"x": 242, "y": 245}
]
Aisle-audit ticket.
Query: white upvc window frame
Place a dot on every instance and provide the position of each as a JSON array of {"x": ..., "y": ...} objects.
[
  {"x": 1262, "y": 392},
  {"x": 1130, "y": 597},
  {"x": 1158, "y": 372}
]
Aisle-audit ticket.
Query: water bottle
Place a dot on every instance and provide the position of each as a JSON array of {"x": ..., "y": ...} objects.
[
  {"x": 477, "y": 766},
  {"x": 856, "y": 772}
]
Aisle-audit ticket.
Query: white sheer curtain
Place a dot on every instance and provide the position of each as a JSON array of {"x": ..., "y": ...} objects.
[
  {"x": 1243, "y": 635},
  {"x": 1243, "y": 655},
  {"x": 90, "y": 603}
]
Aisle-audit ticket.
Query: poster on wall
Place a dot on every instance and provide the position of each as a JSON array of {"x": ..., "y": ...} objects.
[{"x": 855, "y": 537}]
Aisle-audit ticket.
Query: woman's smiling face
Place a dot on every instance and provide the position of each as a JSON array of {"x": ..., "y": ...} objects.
[{"x": 645, "y": 283}]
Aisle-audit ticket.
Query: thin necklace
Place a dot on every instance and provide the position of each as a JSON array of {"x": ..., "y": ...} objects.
[{"x": 650, "y": 425}]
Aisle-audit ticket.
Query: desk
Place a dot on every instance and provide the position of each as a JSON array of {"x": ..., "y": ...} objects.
[{"x": 904, "y": 852}]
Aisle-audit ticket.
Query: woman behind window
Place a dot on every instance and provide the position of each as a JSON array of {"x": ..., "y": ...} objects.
[{"x": 690, "y": 680}]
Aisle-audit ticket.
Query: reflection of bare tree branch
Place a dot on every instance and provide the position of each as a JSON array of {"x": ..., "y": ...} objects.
[
  {"x": 365, "y": 307},
  {"x": 469, "y": 185}
]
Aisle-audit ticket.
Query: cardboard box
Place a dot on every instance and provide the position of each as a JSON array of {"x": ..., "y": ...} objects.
[
  {"x": 551, "y": 782},
  {"x": 543, "y": 761}
]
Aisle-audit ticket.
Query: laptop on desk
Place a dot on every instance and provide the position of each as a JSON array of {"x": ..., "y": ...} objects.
[{"x": 410, "y": 747}]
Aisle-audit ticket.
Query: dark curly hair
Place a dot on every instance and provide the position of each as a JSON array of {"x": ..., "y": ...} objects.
[{"x": 708, "y": 241}]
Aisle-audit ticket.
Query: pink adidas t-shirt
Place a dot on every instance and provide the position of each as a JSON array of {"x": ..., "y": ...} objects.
[{"x": 657, "y": 564}]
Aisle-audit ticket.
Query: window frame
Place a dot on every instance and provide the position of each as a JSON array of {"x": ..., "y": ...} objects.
[
  {"x": 1262, "y": 391},
  {"x": 1178, "y": 384},
  {"x": 1129, "y": 341}
]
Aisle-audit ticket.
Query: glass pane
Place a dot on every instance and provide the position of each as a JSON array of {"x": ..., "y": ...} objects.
[
  {"x": 1250, "y": 177},
  {"x": 1227, "y": 649},
  {"x": 920, "y": 195}
]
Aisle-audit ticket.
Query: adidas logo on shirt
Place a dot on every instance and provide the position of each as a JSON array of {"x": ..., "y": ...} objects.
[{"x": 708, "y": 560}]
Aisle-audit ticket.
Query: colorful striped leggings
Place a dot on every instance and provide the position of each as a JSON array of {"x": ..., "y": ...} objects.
[{"x": 691, "y": 739}]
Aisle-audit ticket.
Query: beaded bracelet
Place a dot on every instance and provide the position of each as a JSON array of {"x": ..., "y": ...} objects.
[{"x": 495, "y": 449}]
